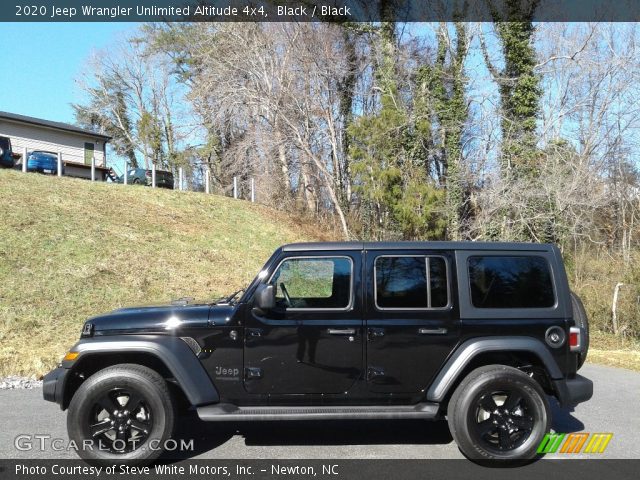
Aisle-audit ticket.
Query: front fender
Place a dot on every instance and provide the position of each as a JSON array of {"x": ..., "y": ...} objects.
[{"x": 172, "y": 351}]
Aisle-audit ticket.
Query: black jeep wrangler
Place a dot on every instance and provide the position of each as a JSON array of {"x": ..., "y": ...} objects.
[
  {"x": 481, "y": 333},
  {"x": 7, "y": 157}
]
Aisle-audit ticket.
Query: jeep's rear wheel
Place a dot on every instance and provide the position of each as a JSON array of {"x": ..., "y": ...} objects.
[
  {"x": 124, "y": 413},
  {"x": 498, "y": 413}
]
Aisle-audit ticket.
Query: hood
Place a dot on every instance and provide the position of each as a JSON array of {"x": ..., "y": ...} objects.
[{"x": 165, "y": 319}]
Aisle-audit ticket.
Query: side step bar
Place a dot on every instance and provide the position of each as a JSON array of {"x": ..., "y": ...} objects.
[{"x": 223, "y": 412}]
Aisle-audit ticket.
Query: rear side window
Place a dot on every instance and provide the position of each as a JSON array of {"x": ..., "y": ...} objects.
[
  {"x": 510, "y": 282},
  {"x": 411, "y": 282}
]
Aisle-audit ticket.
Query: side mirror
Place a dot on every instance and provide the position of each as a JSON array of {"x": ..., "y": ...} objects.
[{"x": 265, "y": 297}]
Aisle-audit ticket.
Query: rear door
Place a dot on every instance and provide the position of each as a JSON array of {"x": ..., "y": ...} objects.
[
  {"x": 312, "y": 342},
  {"x": 410, "y": 319},
  {"x": 518, "y": 293}
]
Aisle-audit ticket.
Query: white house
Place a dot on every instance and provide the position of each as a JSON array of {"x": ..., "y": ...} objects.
[{"x": 76, "y": 145}]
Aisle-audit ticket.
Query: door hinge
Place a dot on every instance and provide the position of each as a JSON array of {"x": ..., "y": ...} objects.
[
  {"x": 252, "y": 372},
  {"x": 374, "y": 372},
  {"x": 376, "y": 333}
]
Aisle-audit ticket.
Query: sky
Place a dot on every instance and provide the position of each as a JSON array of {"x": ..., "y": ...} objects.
[{"x": 42, "y": 61}]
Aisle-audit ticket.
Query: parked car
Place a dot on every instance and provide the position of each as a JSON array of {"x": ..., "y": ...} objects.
[
  {"x": 43, "y": 162},
  {"x": 142, "y": 176},
  {"x": 7, "y": 157},
  {"x": 479, "y": 333}
]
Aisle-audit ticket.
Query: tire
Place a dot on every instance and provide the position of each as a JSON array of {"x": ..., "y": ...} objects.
[
  {"x": 581, "y": 319},
  {"x": 150, "y": 422},
  {"x": 136, "y": 181},
  {"x": 493, "y": 386}
]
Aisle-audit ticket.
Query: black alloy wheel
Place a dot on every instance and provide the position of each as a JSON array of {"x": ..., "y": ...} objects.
[
  {"x": 124, "y": 413},
  {"x": 120, "y": 420},
  {"x": 498, "y": 412},
  {"x": 503, "y": 420}
]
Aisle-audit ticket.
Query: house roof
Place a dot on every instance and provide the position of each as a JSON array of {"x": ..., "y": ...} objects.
[{"x": 14, "y": 117}]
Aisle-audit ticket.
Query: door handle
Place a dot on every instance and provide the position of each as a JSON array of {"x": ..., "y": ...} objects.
[
  {"x": 341, "y": 331},
  {"x": 432, "y": 331}
]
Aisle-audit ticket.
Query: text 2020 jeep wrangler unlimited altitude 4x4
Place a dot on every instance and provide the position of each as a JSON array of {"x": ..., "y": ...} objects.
[{"x": 478, "y": 332}]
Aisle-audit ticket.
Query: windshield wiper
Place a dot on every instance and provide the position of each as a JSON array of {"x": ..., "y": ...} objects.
[{"x": 230, "y": 298}]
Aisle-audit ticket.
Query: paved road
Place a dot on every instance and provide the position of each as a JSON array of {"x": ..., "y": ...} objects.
[{"x": 614, "y": 408}]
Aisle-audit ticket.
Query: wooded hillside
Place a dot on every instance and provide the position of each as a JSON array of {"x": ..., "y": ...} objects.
[{"x": 485, "y": 131}]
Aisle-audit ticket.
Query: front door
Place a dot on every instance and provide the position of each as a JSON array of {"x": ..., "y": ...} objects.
[
  {"x": 312, "y": 342},
  {"x": 411, "y": 322},
  {"x": 89, "y": 149}
]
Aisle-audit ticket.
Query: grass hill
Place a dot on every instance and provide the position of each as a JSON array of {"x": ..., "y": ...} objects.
[{"x": 70, "y": 249}]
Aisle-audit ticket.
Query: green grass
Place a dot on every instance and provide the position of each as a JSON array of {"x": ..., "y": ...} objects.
[
  {"x": 607, "y": 349},
  {"x": 70, "y": 249}
]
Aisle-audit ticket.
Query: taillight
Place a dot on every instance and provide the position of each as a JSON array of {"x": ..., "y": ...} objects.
[
  {"x": 575, "y": 339},
  {"x": 148, "y": 173}
]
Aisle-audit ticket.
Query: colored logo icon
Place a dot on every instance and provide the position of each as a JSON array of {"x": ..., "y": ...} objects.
[{"x": 574, "y": 442}]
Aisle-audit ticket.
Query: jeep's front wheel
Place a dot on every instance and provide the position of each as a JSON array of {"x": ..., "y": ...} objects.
[
  {"x": 123, "y": 413},
  {"x": 498, "y": 413}
]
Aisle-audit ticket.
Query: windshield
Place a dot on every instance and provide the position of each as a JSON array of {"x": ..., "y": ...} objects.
[
  {"x": 42, "y": 156},
  {"x": 4, "y": 143},
  {"x": 235, "y": 297}
]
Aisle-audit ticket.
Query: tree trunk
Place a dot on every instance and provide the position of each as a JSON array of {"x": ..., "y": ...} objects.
[{"x": 614, "y": 308}]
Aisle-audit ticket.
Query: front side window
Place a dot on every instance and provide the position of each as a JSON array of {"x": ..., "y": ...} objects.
[
  {"x": 314, "y": 283},
  {"x": 510, "y": 282},
  {"x": 408, "y": 282}
]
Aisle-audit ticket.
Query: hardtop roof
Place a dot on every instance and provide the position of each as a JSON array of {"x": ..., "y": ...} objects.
[{"x": 438, "y": 245}]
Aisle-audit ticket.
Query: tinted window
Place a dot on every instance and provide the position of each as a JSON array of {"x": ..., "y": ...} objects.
[
  {"x": 401, "y": 282},
  {"x": 510, "y": 282},
  {"x": 314, "y": 282},
  {"x": 438, "y": 282},
  {"x": 4, "y": 143}
]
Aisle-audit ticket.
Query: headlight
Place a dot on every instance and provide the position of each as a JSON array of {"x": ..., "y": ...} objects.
[{"x": 87, "y": 330}]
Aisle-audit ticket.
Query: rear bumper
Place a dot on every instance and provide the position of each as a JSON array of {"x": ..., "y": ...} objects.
[
  {"x": 43, "y": 169},
  {"x": 53, "y": 385},
  {"x": 573, "y": 391}
]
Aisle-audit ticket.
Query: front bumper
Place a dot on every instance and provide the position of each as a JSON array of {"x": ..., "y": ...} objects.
[
  {"x": 573, "y": 391},
  {"x": 53, "y": 385}
]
